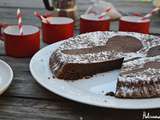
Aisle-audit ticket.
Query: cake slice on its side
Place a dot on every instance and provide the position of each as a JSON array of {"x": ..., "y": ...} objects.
[{"x": 139, "y": 79}]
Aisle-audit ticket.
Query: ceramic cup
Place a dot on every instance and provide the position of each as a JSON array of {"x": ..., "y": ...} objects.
[
  {"x": 17, "y": 45},
  {"x": 91, "y": 23},
  {"x": 134, "y": 24},
  {"x": 60, "y": 28}
]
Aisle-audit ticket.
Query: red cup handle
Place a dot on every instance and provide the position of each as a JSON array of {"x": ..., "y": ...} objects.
[{"x": 2, "y": 26}]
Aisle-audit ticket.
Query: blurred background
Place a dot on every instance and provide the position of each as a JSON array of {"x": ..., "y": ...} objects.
[
  {"x": 39, "y": 3},
  {"x": 125, "y": 7}
]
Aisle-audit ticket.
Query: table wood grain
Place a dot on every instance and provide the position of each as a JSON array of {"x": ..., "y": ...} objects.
[{"x": 27, "y": 100}]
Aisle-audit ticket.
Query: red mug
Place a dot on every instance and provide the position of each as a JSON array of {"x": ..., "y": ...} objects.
[
  {"x": 134, "y": 24},
  {"x": 20, "y": 46},
  {"x": 59, "y": 28},
  {"x": 90, "y": 23}
]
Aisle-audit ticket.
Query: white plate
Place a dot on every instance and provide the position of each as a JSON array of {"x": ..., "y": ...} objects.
[
  {"x": 6, "y": 76},
  {"x": 89, "y": 91}
]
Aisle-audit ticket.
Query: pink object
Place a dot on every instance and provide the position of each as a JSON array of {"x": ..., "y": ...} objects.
[
  {"x": 134, "y": 24},
  {"x": 91, "y": 23},
  {"x": 17, "y": 45},
  {"x": 100, "y": 6},
  {"x": 60, "y": 28},
  {"x": 37, "y": 14},
  {"x": 150, "y": 13},
  {"x": 136, "y": 14},
  {"x": 104, "y": 13},
  {"x": 19, "y": 17}
]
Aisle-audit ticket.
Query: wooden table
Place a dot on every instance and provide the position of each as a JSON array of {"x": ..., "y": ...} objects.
[{"x": 27, "y": 100}]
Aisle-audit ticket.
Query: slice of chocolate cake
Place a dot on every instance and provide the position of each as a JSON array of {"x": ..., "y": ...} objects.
[
  {"x": 92, "y": 53},
  {"x": 76, "y": 66},
  {"x": 139, "y": 78}
]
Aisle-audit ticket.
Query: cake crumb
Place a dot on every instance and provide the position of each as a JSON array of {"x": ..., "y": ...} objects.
[
  {"x": 41, "y": 60},
  {"x": 110, "y": 94},
  {"x": 87, "y": 77}
]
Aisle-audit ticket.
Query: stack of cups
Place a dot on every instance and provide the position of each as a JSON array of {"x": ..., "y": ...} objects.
[
  {"x": 91, "y": 23},
  {"x": 57, "y": 28},
  {"x": 137, "y": 23},
  {"x": 134, "y": 24},
  {"x": 20, "y": 40},
  {"x": 17, "y": 45}
]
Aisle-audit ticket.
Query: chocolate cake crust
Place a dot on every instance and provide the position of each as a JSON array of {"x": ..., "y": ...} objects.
[{"x": 74, "y": 71}]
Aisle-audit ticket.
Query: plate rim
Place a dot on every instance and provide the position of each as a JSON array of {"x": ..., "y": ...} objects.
[
  {"x": 5, "y": 87},
  {"x": 72, "y": 98}
]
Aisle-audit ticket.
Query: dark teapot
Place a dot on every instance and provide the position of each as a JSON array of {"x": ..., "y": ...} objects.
[{"x": 65, "y": 8}]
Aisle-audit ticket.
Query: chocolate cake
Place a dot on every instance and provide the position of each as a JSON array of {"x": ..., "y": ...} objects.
[
  {"x": 92, "y": 53},
  {"x": 153, "y": 51},
  {"x": 88, "y": 54},
  {"x": 139, "y": 78}
]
